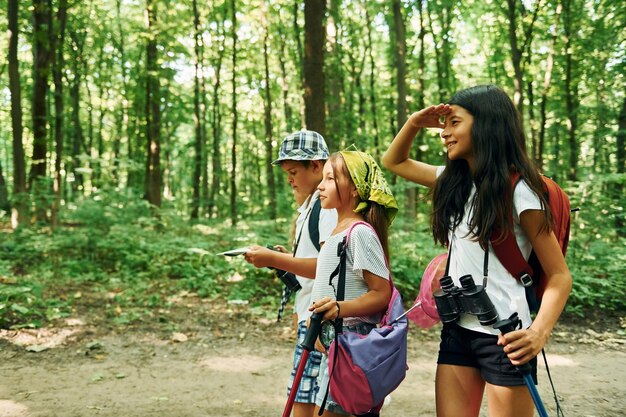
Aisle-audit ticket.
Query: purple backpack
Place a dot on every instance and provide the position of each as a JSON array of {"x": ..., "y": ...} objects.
[{"x": 364, "y": 369}]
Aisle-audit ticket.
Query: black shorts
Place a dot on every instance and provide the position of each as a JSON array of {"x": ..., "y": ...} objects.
[{"x": 463, "y": 347}]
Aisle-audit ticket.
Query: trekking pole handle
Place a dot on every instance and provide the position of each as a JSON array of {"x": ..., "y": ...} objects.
[
  {"x": 312, "y": 333},
  {"x": 509, "y": 325}
]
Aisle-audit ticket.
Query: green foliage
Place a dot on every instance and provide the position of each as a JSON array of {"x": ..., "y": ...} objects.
[
  {"x": 412, "y": 248},
  {"x": 117, "y": 250},
  {"x": 114, "y": 245},
  {"x": 597, "y": 251}
]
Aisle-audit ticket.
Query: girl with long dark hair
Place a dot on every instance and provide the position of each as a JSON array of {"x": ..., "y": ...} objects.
[{"x": 472, "y": 195}]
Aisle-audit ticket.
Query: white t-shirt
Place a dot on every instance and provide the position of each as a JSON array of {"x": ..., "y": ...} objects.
[
  {"x": 364, "y": 253},
  {"x": 305, "y": 249},
  {"x": 505, "y": 292}
]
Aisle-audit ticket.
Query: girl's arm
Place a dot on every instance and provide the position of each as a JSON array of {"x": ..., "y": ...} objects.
[
  {"x": 523, "y": 345},
  {"x": 396, "y": 158},
  {"x": 375, "y": 300}
]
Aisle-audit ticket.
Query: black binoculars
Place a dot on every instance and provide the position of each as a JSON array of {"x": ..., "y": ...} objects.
[
  {"x": 469, "y": 299},
  {"x": 288, "y": 278}
]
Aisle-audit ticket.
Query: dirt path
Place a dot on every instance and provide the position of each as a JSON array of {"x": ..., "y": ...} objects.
[{"x": 240, "y": 370}]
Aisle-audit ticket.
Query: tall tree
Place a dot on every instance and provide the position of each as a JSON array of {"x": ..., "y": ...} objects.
[
  {"x": 77, "y": 37},
  {"x": 571, "y": 90},
  {"x": 299, "y": 58},
  {"x": 621, "y": 137},
  {"x": 399, "y": 51},
  {"x": 42, "y": 57},
  {"x": 233, "y": 173},
  {"x": 57, "y": 76},
  {"x": 282, "y": 61},
  {"x": 539, "y": 144},
  {"x": 519, "y": 52},
  {"x": 20, "y": 209},
  {"x": 442, "y": 12},
  {"x": 4, "y": 194},
  {"x": 314, "y": 45},
  {"x": 154, "y": 177},
  {"x": 197, "y": 113},
  {"x": 269, "y": 150},
  {"x": 216, "y": 120},
  {"x": 122, "y": 115},
  {"x": 372, "y": 84}
]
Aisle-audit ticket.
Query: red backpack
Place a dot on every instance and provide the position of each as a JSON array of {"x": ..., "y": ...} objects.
[{"x": 529, "y": 273}]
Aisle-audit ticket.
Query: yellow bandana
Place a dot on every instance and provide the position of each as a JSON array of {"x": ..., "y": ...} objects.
[{"x": 370, "y": 182}]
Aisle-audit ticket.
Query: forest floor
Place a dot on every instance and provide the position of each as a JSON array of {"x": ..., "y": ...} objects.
[{"x": 209, "y": 358}]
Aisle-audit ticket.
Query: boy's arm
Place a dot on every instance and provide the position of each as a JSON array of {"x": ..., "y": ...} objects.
[{"x": 263, "y": 257}]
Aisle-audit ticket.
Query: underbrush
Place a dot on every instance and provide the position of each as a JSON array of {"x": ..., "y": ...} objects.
[{"x": 137, "y": 260}]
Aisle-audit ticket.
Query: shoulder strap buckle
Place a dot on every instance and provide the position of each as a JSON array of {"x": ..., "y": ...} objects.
[{"x": 526, "y": 280}]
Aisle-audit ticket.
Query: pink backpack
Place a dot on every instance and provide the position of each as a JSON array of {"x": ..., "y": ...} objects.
[{"x": 364, "y": 369}]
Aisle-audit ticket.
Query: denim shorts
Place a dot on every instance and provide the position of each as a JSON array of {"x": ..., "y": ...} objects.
[
  {"x": 324, "y": 378},
  {"x": 308, "y": 384},
  {"x": 463, "y": 347}
]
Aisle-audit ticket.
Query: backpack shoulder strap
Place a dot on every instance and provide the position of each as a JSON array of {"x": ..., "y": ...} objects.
[
  {"x": 508, "y": 251},
  {"x": 560, "y": 207},
  {"x": 314, "y": 224}
]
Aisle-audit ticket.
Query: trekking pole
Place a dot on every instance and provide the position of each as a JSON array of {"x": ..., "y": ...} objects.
[
  {"x": 315, "y": 325},
  {"x": 508, "y": 325}
]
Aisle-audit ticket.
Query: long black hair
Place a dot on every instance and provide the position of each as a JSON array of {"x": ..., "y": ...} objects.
[{"x": 499, "y": 149}]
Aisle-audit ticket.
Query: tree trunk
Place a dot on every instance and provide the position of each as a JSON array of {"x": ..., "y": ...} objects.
[
  {"x": 103, "y": 98},
  {"x": 57, "y": 75},
  {"x": 445, "y": 76},
  {"x": 299, "y": 55},
  {"x": 372, "y": 86},
  {"x": 199, "y": 140},
  {"x": 571, "y": 94},
  {"x": 547, "y": 83},
  {"x": 217, "y": 131},
  {"x": 154, "y": 178},
  {"x": 620, "y": 221},
  {"x": 42, "y": 57},
  {"x": 4, "y": 195},
  {"x": 314, "y": 44},
  {"x": 530, "y": 93},
  {"x": 78, "y": 40},
  {"x": 122, "y": 126},
  {"x": 621, "y": 137},
  {"x": 233, "y": 153},
  {"x": 401, "y": 107},
  {"x": 269, "y": 150},
  {"x": 19, "y": 216},
  {"x": 204, "y": 188},
  {"x": 516, "y": 57},
  {"x": 420, "y": 101},
  {"x": 287, "y": 111}
]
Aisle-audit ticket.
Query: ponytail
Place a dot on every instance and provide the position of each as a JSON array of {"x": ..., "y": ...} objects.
[{"x": 376, "y": 217}]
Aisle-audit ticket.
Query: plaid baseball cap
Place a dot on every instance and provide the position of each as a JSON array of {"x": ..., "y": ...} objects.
[{"x": 305, "y": 145}]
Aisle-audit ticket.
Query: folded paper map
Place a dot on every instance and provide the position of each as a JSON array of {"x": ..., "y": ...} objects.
[{"x": 235, "y": 252}]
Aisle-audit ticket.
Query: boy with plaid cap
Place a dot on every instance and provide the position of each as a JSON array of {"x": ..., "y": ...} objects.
[{"x": 302, "y": 156}]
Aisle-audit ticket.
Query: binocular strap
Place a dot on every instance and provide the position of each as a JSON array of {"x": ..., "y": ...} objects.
[{"x": 485, "y": 261}]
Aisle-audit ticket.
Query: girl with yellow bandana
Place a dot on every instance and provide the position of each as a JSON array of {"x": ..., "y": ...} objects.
[{"x": 354, "y": 185}]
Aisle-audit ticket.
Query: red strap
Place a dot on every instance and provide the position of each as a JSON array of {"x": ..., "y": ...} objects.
[{"x": 507, "y": 250}]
